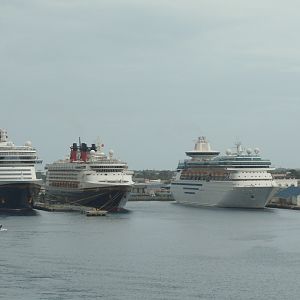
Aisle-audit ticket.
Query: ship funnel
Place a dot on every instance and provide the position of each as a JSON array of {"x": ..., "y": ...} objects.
[
  {"x": 202, "y": 145},
  {"x": 73, "y": 155},
  {"x": 202, "y": 150},
  {"x": 84, "y": 151}
]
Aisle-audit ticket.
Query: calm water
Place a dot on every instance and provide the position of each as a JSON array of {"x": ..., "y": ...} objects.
[{"x": 157, "y": 251}]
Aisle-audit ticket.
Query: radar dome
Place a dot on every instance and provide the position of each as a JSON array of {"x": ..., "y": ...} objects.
[
  {"x": 256, "y": 151},
  {"x": 249, "y": 151},
  {"x": 228, "y": 151},
  {"x": 92, "y": 152},
  {"x": 28, "y": 144},
  {"x": 111, "y": 152}
]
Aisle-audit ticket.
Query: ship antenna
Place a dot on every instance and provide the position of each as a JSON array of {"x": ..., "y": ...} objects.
[
  {"x": 98, "y": 143},
  {"x": 79, "y": 141},
  {"x": 239, "y": 148}
]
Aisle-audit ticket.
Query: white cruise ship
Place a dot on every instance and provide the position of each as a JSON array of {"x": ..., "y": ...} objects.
[
  {"x": 18, "y": 182},
  {"x": 239, "y": 179},
  {"x": 89, "y": 178}
]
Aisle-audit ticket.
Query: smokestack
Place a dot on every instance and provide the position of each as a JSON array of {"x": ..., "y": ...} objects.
[
  {"x": 83, "y": 152},
  {"x": 73, "y": 155}
]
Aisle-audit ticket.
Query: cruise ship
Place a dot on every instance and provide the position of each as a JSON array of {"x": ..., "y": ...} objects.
[
  {"x": 89, "y": 178},
  {"x": 239, "y": 179},
  {"x": 18, "y": 182}
]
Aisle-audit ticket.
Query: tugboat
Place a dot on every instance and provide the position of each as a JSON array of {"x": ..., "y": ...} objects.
[
  {"x": 89, "y": 178},
  {"x": 18, "y": 182}
]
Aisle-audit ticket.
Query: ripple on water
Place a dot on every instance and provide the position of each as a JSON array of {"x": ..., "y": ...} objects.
[{"x": 157, "y": 251}]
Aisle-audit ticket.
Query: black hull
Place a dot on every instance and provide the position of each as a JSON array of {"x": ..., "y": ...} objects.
[
  {"x": 109, "y": 198},
  {"x": 18, "y": 197}
]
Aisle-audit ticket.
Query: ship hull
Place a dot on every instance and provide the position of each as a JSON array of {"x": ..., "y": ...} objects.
[
  {"x": 221, "y": 194},
  {"x": 18, "y": 197},
  {"x": 111, "y": 199}
]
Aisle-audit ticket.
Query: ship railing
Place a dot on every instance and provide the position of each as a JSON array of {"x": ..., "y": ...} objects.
[{"x": 17, "y": 148}]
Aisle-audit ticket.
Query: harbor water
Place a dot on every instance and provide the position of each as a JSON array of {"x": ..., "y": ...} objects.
[{"x": 158, "y": 250}]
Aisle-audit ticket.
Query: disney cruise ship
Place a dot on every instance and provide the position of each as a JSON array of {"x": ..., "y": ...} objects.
[
  {"x": 89, "y": 178},
  {"x": 239, "y": 179},
  {"x": 18, "y": 182}
]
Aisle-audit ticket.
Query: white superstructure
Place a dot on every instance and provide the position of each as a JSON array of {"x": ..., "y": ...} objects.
[
  {"x": 17, "y": 163},
  {"x": 89, "y": 177},
  {"x": 18, "y": 182},
  {"x": 241, "y": 178}
]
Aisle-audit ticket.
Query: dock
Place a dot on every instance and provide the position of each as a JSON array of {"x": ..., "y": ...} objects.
[
  {"x": 283, "y": 206},
  {"x": 88, "y": 211},
  {"x": 147, "y": 197}
]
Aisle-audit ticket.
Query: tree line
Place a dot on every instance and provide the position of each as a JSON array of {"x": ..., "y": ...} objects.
[{"x": 164, "y": 175}]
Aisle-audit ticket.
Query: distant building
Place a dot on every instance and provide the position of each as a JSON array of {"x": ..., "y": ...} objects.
[{"x": 150, "y": 190}]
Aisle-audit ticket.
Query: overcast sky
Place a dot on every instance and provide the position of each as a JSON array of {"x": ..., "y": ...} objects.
[{"x": 148, "y": 77}]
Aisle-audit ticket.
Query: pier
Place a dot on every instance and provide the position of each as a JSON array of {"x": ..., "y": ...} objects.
[{"x": 88, "y": 211}]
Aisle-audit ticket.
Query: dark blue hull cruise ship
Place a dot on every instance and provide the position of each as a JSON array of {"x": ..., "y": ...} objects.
[
  {"x": 18, "y": 183},
  {"x": 89, "y": 178},
  {"x": 18, "y": 197}
]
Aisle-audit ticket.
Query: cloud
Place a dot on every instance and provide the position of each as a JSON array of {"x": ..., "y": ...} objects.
[{"x": 149, "y": 73}]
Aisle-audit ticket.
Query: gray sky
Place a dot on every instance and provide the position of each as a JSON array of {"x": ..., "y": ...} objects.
[{"x": 148, "y": 77}]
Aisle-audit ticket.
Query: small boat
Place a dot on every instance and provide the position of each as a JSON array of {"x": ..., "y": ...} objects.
[
  {"x": 95, "y": 212},
  {"x": 2, "y": 229}
]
